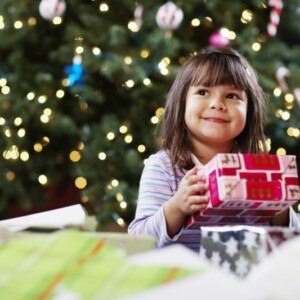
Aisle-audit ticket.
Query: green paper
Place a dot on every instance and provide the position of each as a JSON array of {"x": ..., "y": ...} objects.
[{"x": 43, "y": 266}]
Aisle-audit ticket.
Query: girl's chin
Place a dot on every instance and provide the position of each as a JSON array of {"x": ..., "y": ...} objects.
[{"x": 219, "y": 142}]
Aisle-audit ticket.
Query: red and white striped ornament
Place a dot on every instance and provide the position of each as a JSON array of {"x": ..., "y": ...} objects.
[
  {"x": 138, "y": 14},
  {"x": 277, "y": 6},
  {"x": 297, "y": 94},
  {"x": 281, "y": 74},
  {"x": 169, "y": 16}
]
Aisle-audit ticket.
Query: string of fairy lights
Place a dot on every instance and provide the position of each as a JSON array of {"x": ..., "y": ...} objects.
[{"x": 134, "y": 25}]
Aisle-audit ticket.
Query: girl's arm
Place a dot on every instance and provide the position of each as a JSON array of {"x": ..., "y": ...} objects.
[
  {"x": 157, "y": 186},
  {"x": 161, "y": 209}
]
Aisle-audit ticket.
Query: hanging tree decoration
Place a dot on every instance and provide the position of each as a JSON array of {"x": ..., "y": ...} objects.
[
  {"x": 49, "y": 9},
  {"x": 138, "y": 13},
  {"x": 281, "y": 74},
  {"x": 277, "y": 6},
  {"x": 297, "y": 94},
  {"x": 75, "y": 72},
  {"x": 169, "y": 16},
  {"x": 219, "y": 39}
]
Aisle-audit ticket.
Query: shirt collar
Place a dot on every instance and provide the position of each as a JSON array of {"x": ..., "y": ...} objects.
[{"x": 196, "y": 161}]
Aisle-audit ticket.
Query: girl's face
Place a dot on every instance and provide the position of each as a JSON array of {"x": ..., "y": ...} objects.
[{"x": 215, "y": 116}]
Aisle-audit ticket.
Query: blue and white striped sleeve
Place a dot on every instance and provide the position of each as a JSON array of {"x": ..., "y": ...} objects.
[{"x": 157, "y": 186}]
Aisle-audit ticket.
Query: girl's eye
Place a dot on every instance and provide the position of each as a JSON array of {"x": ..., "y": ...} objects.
[
  {"x": 233, "y": 96},
  {"x": 203, "y": 92}
]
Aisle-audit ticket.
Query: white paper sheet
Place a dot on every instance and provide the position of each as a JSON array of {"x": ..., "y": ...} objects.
[
  {"x": 210, "y": 283},
  {"x": 56, "y": 218}
]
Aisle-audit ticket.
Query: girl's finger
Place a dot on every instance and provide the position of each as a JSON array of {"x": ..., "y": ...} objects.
[
  {"x": 198, "y": 207},
  {"x": 203, "y": 199},
  {"x": 191, "y": 172},
  {"x": 198, "y": 188}
]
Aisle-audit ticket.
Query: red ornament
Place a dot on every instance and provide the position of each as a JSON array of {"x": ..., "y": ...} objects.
[
  {"x": 169, "y": 16},
  {"x": 218, "y": 39},
  {"x": 277, "y": 6}
]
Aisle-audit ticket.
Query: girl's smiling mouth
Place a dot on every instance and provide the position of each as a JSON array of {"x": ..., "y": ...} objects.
[{"x": 215, "y": 120}]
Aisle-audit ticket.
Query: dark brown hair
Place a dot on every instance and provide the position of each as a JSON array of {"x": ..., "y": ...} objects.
[{"x": 210, "y": 67}]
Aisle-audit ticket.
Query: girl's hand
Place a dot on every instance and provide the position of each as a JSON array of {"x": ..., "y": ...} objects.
[{"x": 191, "y": 196}]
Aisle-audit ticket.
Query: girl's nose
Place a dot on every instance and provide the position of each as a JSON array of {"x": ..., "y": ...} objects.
[{"x": 218, "y": 105}]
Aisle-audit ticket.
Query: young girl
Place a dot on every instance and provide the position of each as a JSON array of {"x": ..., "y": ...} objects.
[{"x": 215, "y": 105}]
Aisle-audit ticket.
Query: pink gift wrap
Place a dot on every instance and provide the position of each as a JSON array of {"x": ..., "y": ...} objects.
[{"x": 247, "y": 189}]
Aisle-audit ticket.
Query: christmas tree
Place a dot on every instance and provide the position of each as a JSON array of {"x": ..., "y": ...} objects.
[{"x": 83, "y": 85}]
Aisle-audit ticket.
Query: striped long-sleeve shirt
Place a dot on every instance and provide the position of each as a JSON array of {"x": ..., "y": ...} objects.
[{"x": 157, "y": 185}]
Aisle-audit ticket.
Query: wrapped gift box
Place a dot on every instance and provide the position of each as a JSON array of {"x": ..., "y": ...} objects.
[
  {"x": 127, "y": 243},
  {"x": 239, "y": 248},
  {"x": 72, "y": 264},
  {"x": 247, "y": 189}
]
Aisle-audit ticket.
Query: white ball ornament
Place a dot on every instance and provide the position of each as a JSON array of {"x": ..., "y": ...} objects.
[
  {"x": 49, "y": 9},
  {"x": 169, "y": 16}
]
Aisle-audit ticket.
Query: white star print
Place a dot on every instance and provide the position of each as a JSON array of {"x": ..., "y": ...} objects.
[
  {"x": 250, "y": 240},
  {"x": 216, "y": 259},
  {"x": 231, "y": 246},
  {"x": 215, "y": 237},
  {"x": 226, "y": 266},
  {"x": 242, "y": 266},
  {"x": 262, "y": 252}
]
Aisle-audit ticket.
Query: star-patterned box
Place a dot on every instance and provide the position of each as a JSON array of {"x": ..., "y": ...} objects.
[
  {"x": 238, "y": 249},
  {"x": 247, "y": 189}
]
